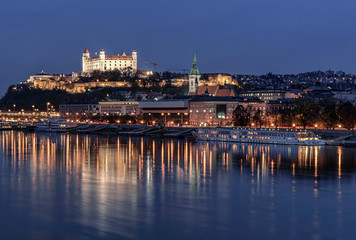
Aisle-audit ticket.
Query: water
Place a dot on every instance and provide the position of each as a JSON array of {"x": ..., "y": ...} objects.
[{"x": 63, "y": 186}]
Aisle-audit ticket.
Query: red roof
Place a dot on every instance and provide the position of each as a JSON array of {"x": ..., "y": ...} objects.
[
  {"x": 86, "y": 51},
  {"x": 201, "y": 90},
  {"x": 134, "y": 50},
  {"x": 102, "y": 50},
  {"x": 94, "y": 58},
  {"x": 225, "y": 92},
  {"x": 117, "y": 57}
]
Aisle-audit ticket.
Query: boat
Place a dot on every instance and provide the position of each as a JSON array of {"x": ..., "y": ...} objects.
[
  {"x": 54, "y": 125},
  {"x": 264, "y": 136}
]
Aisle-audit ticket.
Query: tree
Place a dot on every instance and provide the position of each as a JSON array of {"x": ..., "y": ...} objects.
[
  {"x": 307, "y": 111},
  {"x": 241, "y": 116},
  {"x": 258, "y": 118},
  {"x": 287, "y": 115},
  {"x": 328, "y": 115},
  {"x": 273, "y": 116},
  {"x": 347, "y": 114}
]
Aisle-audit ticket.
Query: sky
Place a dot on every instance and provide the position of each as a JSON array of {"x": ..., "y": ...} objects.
[{"x": 233, "y": 36}]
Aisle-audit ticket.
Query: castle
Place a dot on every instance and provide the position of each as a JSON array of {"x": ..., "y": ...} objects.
[{"x": 108, "y": 62}]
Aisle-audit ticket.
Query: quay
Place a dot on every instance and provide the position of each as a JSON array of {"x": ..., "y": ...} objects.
[{"x": 331, "y": 137}]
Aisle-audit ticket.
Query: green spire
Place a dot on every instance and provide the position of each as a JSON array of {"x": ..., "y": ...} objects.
[{"x": 194, "y": 70}]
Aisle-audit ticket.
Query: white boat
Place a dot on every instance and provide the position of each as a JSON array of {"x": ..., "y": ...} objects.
[
  {"x": 265, "y": 136},
  {"x": 53, "y": 125}
]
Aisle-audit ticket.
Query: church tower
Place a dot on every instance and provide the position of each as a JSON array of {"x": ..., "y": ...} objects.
[{"x": 194, "y": 77}]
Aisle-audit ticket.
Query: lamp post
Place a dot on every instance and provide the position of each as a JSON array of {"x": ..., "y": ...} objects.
[{"x": 48, "y": 103}]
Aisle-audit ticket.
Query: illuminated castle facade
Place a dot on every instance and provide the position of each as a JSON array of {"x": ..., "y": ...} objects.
[{"x": 104, "y": 62}]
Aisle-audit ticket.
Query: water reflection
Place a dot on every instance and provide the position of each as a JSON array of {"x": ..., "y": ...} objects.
[{"x": 134, "y": 187}]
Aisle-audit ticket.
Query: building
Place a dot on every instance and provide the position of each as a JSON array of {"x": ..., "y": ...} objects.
[
  {"x": 194, "y": 77},
  {"x": 172, "y": 111},
  {"x": 211, "y": 111},
  {"x": 108, "y": 62},
  {"x": 118, "y": 108},
  {"x": 81, "y": 109},
  {"x": 265, "y": 95},
  {"x": 214, "y": 79},
  {"x": 224, "y": 91}
]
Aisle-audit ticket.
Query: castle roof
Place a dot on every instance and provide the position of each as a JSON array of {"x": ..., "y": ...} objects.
[
  {"x": 111, "y": 57},
  {"x": 94, "y": 58},
  {"x": 102, "y": 50},
  {"x": 117, "y": 57},
  {"x": 134, "y": 50},
  {"x": 86, "y": 51}
]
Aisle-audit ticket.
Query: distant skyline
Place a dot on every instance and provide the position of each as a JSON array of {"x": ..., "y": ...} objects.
[{"x": 233, "y": 36}]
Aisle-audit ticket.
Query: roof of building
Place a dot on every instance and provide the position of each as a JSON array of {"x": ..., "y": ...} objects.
[
  {"x": 210, "y": 90},
  {"x": 118, "y": 57},
  {"x": 317, "y": 88},
  {"x": 102, "y": 50},
  {"x": 296, "y": 91},
  {"x": 226, "y": 92},
  {"x": 205, "y": 98},
  {"x": 86, "y": 50},
  {"x": 265, "y": 91},
  {"x": 94, "y": 58}
]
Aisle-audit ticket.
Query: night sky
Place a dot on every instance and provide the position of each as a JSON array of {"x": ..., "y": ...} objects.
[{"x": 234, "y": 36}]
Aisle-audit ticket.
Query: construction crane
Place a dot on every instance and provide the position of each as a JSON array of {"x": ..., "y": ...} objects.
[{"x": 154, "y": 65}]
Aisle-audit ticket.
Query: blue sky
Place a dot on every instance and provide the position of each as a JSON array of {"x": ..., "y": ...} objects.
[{"x": 240, "y": 36}]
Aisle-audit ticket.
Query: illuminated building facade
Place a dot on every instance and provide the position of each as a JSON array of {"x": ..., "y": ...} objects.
[
  {"x": 78, "y": 109},
  {"x": 116, "y": 108},
  {"x": 173, "y": 111},
  {"x": 265, "y": 95},
  {"x": 211, "y": 111},
  {"x": 108, "y": 62}
]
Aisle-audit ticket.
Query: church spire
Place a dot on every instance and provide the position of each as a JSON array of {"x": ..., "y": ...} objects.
[{"x": 194, "y": 70}]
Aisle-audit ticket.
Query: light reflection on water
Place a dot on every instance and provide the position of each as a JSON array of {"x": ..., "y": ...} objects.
[{"x": 81, "y": 186}]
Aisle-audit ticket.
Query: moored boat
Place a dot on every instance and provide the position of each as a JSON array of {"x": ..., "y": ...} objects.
[
  {"x": 54, "y": 125},
  {"x": 265, "y": 136}
]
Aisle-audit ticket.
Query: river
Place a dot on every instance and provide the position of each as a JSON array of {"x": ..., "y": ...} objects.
[{"x": 69, "y": 186}]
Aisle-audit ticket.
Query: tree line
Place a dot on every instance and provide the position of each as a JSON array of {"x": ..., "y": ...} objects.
[{"x": 326, "y": 113}]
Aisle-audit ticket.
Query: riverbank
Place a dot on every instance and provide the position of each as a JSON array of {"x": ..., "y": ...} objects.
[{"x": 331, "y": 137}]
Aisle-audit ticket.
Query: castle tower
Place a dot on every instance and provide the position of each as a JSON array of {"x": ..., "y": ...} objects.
[
  {"x": 194, "y": 77},
  {"x": 86, "y": 56},
  {"x": 134, "y": 60},
  {"x": 102, "y": 60}
]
